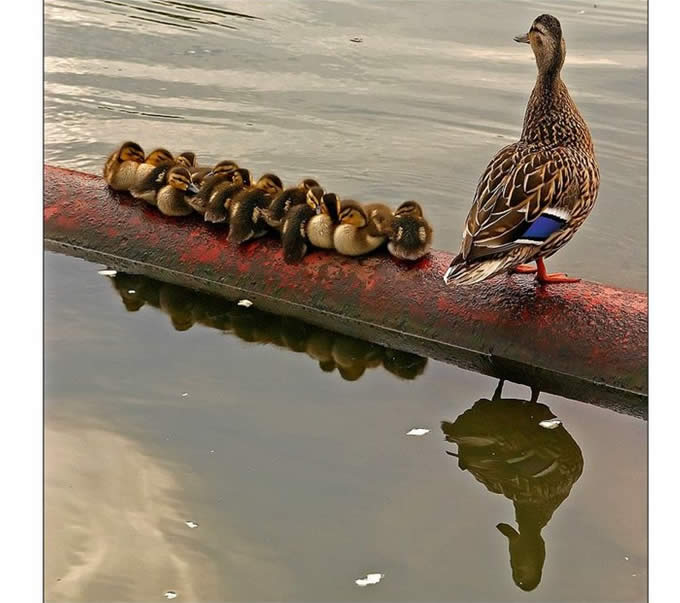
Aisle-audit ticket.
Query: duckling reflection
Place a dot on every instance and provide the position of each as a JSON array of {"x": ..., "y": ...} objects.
[
  {"x": 502, "y": 445},
  {"x": 351, "y": 357}
]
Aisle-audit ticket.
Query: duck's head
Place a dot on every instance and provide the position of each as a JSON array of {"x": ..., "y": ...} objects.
[
  {"x": 159, "y": 157},
  {"x": 545, "y": 37},
  {"x": 330, "y": 205},
  {"x": 240, "y": 176},
  {"x": 351, "y": 212},
  {"x": 223, "y": 168},
  {"x": 179, "y": 177},
  {"x": 308, "y": 183},
  {"x": 315, "y": 198},
  {"x": 409, "y": 208},
  {"x": 187, "y": 159},
  {"x": 270, "y": 183},
  {"x": 131, "y": 151}
]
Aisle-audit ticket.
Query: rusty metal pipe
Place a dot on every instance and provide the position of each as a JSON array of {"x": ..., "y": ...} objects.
[{"x": 586, "y": 341}]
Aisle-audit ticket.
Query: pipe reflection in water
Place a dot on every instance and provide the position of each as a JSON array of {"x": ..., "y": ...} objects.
[
  {"x": 502, "y": 445},
  {"x": 351, "y": 357}
]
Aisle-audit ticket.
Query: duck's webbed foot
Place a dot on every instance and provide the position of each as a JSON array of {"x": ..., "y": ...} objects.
[{"x": 544, "y": 278}]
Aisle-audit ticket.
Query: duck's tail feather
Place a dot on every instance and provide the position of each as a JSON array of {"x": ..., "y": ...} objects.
[{"x": 461, "y": 272}]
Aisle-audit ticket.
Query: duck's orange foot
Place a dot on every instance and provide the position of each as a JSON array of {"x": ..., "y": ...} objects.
[
  {"x": 524, "y": 269},
  {"x": 555, "y": 277},
  {"x": 544, "y": 278}
]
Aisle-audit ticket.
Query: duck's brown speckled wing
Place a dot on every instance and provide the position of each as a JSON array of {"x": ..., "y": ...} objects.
[{"x": 518, "y": 186}]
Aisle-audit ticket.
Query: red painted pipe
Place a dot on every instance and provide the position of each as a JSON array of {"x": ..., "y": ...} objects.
[{"x": 585, "y": 340}]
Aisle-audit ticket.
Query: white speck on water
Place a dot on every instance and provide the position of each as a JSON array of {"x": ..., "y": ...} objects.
[
  {"x": 581, "y": 12},
  {"x": 369, "y": 579},
  {"x": 550, "y": 423},
  {"x": 418, "y": 431},
  {"x": 108, "y": 272},
  {"x": 185, "y": 394},
  {"x": 246, "y": 303},
  {"x": 627, "y": 558},
  {"x": 170, "y": 594},
  {"x": 191, "y": 524},
  {"x": 131, "y": 291},
  {"x": 212, "y": 451}
]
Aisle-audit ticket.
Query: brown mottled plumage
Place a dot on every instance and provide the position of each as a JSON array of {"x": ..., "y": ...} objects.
[
  {"x": 245, "y": 222},
  {"x": 535, "y": 193},
  {"x": 281, "y": 203}
]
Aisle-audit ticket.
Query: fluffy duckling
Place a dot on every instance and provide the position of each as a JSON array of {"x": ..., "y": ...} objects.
[
  {"x": 353, "y": 236},
  {"x": 188, "y": 160},
  {"x": 121, "y": 166},
  {"x": 410, "y": 234},
  {"x": 207, "y": 179},
  {"x": 321, "y": 227},
  {"x": 217, "y": 210},
  {"x": 290, "y": 197},
  {"x": 176, "y": 189},
  {"x": 156, "y": 158},
  {"x": 244, "y": 210},
  {"x": 294, "y": 235},
  {"x": 379, "y": 218}
]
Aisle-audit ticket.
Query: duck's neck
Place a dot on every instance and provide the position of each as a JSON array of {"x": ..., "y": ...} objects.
[{"x": 552, "y": 118}]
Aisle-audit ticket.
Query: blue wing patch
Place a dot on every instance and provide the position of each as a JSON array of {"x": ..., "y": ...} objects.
[{"x": 541, "y": 228}]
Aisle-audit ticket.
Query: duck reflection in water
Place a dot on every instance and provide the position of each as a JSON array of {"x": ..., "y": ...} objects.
[
  {"x": 501, "y": 443},
  {"x": 351, "y": 357}
]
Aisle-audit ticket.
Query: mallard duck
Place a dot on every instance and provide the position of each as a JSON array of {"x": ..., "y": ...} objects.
[
  {"x": 121, "y": 166},
  {"x": 410, "y": 234},
  {"x": 174, "y": 190},
  {"x": 535, "y": 193},
  {"x": 156, "y": 158},
  {"x": 294, "y": 233},
  {"x": 356, "y": 234},
  {"x": 321, "y": 227},
  {"x": 281, "y": 203},
  {"x": 207, "y": 178},
  {"x": 244, "y": 210},
  {"x": 223, "y": 192}
]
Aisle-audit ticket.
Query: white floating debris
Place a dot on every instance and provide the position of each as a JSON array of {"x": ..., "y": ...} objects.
[
  {"x": 185, "y": 394},
  {"x": 191, "y": 524},
  {"x": 550, "y": 423},
  {"x": 170, "y": 594},
  {"x": 212, "y": 451},
  {"x": 131, "y": 291},
  {"x": 107, "y": 272},
  {"x": 369, "y": 579},
  {"x": 627, "y": 558},
  {"x": 418, "y": 431},
  {"x": 581, "y": 12},
  {"x": 246, "y": 303}
]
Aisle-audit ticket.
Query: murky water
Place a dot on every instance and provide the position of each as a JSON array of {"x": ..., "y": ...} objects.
[{"x": 287, "y": 445}]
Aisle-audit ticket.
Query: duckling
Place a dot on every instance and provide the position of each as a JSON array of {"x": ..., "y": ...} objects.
[
  {"x": 121, "y": 166},
  {"x": 207, "y": 179},
  {"x": 290, "y": 197},
  {"x": 244, "y": 210},
  {"x": 188, "y": 160},
  {"x": 379, "y": 218},
  {"x": 156, "y": 158},
  {"x": 353, "y": 235},
  {"x": 410, "y": 234},
  {"x": 294, "y": 236},
  {"x": 217, "y": 210},
  {"x": 176, "y": 189},
  {"x": 321, "y": 227}
]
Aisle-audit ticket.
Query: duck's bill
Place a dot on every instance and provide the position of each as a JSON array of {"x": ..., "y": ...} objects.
[
  {"x": 523, "y": 39},
  {"x": 192, "y": 188}
]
